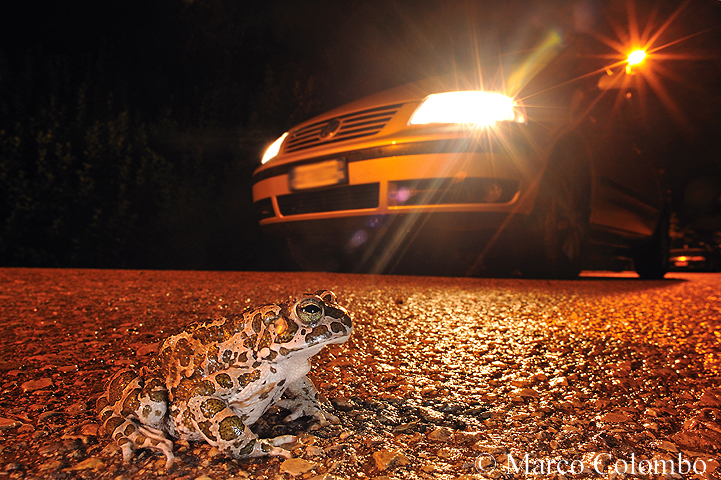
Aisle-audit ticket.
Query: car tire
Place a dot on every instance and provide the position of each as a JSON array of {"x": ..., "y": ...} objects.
[
  {"x": 560, "y": 221},
  {"x": 651, "y": 260}
]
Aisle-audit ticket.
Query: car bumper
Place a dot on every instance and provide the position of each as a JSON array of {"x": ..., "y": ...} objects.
[{"x": 433, "y": 178}]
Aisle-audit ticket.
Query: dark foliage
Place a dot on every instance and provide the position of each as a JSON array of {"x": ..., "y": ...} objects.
[{"x": 134, "y": 146}]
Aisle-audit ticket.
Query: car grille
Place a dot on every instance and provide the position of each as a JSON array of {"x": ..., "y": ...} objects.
[
  {"x": 446, "y": 191},
  {"x": 264, "y": 208},
  {"x": 353, "y": 197},
  {"x": 353, "y": 125}
]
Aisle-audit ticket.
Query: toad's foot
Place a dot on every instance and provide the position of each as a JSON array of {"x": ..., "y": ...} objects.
[
  {"x": 306, "y": 409},
  {"x": 144, "y": 437},
  {"x": 271, "y": 446},
  {"x": 301, "y": 398}
]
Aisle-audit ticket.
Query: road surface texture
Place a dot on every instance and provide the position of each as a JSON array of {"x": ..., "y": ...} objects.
[{"x": 442, "y": 378}]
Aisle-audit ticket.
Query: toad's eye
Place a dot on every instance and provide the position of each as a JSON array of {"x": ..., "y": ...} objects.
[{"x": 310, "y": 310}]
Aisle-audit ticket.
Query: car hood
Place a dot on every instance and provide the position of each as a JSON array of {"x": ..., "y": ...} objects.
[
  {"x": 414, "y": 92},
  {"x": 536, "y": 77}
]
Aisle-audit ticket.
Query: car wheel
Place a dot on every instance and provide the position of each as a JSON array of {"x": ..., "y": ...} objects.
[
  {"x": 559, "y": 223},
  {"x": 651, "y": 260}
]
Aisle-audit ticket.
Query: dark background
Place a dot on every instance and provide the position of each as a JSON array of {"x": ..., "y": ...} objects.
[{"x": 129, "y": 130}]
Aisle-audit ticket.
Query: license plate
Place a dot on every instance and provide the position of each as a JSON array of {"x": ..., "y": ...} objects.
[
  {"x": 321, "y": 174},
  {"x": 681, "y": 264}
]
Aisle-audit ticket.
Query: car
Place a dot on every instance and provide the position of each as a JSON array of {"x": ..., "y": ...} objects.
[
  {"x": 699, "y": 258},
  {"x": 524, "y": 165}
]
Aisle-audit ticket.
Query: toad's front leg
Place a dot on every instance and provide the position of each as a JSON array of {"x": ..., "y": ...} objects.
[
  {"x": 301, "y": 398},
  {"x": 225, "y": 430}
]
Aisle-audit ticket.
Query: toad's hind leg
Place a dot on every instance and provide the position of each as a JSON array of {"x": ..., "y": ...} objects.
[
  {"x": 222, "y": 428},
  {"x": 133, "y": 412}
]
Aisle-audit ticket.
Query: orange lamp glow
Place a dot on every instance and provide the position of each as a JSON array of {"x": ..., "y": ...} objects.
[{"x": 634, "y": 58}]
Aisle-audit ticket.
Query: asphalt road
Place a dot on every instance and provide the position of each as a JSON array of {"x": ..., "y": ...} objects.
[{"x": 442, "y": 375}]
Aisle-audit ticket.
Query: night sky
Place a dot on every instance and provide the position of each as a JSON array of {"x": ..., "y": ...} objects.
[
  {"x": 349, "y": 48},
  {"x": 198, "y": 88}
]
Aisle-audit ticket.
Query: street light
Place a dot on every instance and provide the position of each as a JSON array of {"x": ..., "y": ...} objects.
[{"x": 634, "y": 58}]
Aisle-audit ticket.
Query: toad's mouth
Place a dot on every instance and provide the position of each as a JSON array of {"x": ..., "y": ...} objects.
[{"x": 337, "y": 333}]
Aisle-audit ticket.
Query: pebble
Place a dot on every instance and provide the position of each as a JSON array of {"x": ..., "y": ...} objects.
[
  {"x": 61, "y": 447},
  {"x": 33, "y": 385},
  {"x": 558, "y": 382},
  {"x": 406, "y": 427},
  {"x": 8, "y": 423},
  {"x": 710, "y": 398},
  {"x": 313, "y": 451},
  {"x": 342, "y": 404},
  {"x": 26, "y": 428},
  {"x": 615, "y": 417},
  {"x": 523, "y": 394},
  {"x": 14, "y": 467},
  {"x": 447, "y": 452},
  {"x": 440, "y": 434},
  {"x": 429, "y": 391},
  {"x": 92, "y": 463},
  {"x": 668, "y": 446},
  {"x": 76, "y": 408},
  {"x": 297, "y": 466},
  {"x": 466, "y": 437},
  {"x": 694, "y": 441},
  {"x": 45, "y": 415},
  {"x": 147, "y": 349},
  {"x": 475, "y": 411},
  {"x": 90, "y": 429},
  {"x": 82, "y": 438},
  {"x": 53, "y": 465},
  {"x": 485, "y": 447},
  {"x": 389, "y": 459},
  {"x": 430, "y": 415}
]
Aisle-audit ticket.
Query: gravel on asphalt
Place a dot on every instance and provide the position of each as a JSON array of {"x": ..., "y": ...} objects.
[{"x": 443, "y": 378}]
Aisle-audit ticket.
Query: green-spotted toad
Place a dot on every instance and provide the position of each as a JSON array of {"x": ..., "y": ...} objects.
[{"x": 216, "y": 378}]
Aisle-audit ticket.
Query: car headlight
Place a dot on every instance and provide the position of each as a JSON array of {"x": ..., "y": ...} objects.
[
  {"x": 274, "y": 148},
  {"x": 476, "y": 108}
]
